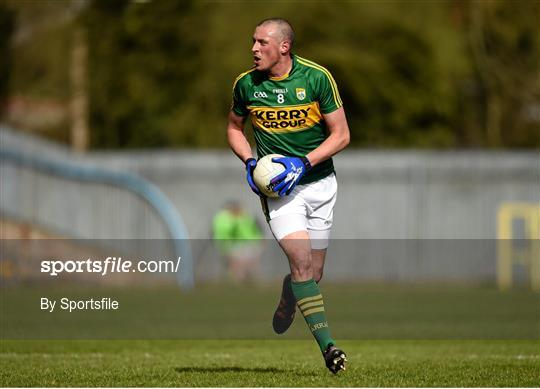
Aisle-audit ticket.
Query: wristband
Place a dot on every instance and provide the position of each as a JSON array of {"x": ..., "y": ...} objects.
[{"x": 306, "y": 163}]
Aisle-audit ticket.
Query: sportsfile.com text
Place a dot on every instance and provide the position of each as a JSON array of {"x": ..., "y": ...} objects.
[{"x": 109, "y": 265}]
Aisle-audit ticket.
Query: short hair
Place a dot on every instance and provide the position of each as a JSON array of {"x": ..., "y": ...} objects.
[{"x": 285, "y": 28}]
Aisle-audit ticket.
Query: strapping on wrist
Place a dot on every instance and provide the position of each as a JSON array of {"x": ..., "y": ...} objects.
[{"x": 307, "y": 164}]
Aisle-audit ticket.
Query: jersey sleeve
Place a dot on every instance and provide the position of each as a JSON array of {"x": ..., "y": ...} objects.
[
  {"x": 327, "y": 92},
  {"x": 238, "y": 105}
]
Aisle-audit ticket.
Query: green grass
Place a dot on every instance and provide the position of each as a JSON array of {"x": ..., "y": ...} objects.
[
  {"x": 220, "y": 335},
  {"x": 356, "y": 311},
  {"x": 252, "y": 363}
]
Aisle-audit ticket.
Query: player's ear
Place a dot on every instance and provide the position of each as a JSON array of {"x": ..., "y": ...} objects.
[{"x": 285, "y": 47}]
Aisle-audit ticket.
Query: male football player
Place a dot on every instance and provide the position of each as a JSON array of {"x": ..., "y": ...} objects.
[{"x": 296, "y": 111}]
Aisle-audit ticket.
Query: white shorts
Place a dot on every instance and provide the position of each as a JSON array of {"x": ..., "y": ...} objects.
[{"x": 308, "y": 208}]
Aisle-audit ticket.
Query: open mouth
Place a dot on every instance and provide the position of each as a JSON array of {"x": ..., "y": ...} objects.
[{"x": 256, "y": 59}]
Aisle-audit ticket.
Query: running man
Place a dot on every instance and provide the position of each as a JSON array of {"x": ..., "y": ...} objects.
[{"x": 295, "y": 108}]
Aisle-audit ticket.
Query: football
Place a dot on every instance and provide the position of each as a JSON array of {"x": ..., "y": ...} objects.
[{"x": 265, "y": 171}]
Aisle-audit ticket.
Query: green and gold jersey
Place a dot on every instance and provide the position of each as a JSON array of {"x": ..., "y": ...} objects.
[{"x": 286, "y": 112}]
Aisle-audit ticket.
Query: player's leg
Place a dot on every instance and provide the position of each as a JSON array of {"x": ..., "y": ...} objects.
[
  {"x": 309, "y": 298},
  {"x": 297, "y": 247},
  {"x": 285, "y": 312},
  {"x": 289, "y": 224},
  {"x": 318, "y": 257},
  {"x": 286, "y": 229},
  {"x": 285, "y": 215},
  {"x": 320, "y": 202},
  {"x": 319, "y": 227},
  {"x": 334, "y": 357}
]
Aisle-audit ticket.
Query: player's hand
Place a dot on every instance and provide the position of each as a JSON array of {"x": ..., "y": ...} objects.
[
  {"x": 295, "y": 168},
  {"x": 251, "y": 163}
]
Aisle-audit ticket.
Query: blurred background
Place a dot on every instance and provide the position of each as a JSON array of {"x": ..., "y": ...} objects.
[
  {"x": 112, "y": 136},
  {"x": 413, "y": 74}
]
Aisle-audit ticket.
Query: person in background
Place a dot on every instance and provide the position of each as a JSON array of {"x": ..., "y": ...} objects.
[{"x": 239, "y": 239}]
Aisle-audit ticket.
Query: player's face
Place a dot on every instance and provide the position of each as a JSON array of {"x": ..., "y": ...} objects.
[{"x": 266, "y": 47}]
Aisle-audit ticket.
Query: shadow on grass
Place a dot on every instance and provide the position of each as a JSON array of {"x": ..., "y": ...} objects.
[{"x": 223, "y": 369}]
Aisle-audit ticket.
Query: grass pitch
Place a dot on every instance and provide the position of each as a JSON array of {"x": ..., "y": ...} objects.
[
  {"x": 252, "y": 363},
  {"x": 220, "y": 335}
]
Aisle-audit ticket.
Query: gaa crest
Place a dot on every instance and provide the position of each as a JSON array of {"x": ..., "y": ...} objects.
[{"x": 300, "y": 93}]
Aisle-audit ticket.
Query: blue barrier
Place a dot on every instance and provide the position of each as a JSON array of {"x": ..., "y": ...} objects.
[{"x": 130, "y": 181}]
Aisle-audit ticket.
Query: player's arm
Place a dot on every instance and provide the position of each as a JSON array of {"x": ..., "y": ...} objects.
[
  {"x": 237, "y": 138},
  {"x": 241, "y": 147},
  {"x": 338, "y": 139}
]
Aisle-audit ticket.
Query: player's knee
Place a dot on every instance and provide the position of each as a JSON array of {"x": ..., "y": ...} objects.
[{"x": 301, "y": 270}]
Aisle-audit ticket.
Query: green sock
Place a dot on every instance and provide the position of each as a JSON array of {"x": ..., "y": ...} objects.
[{"x": 309, "y": 300}]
